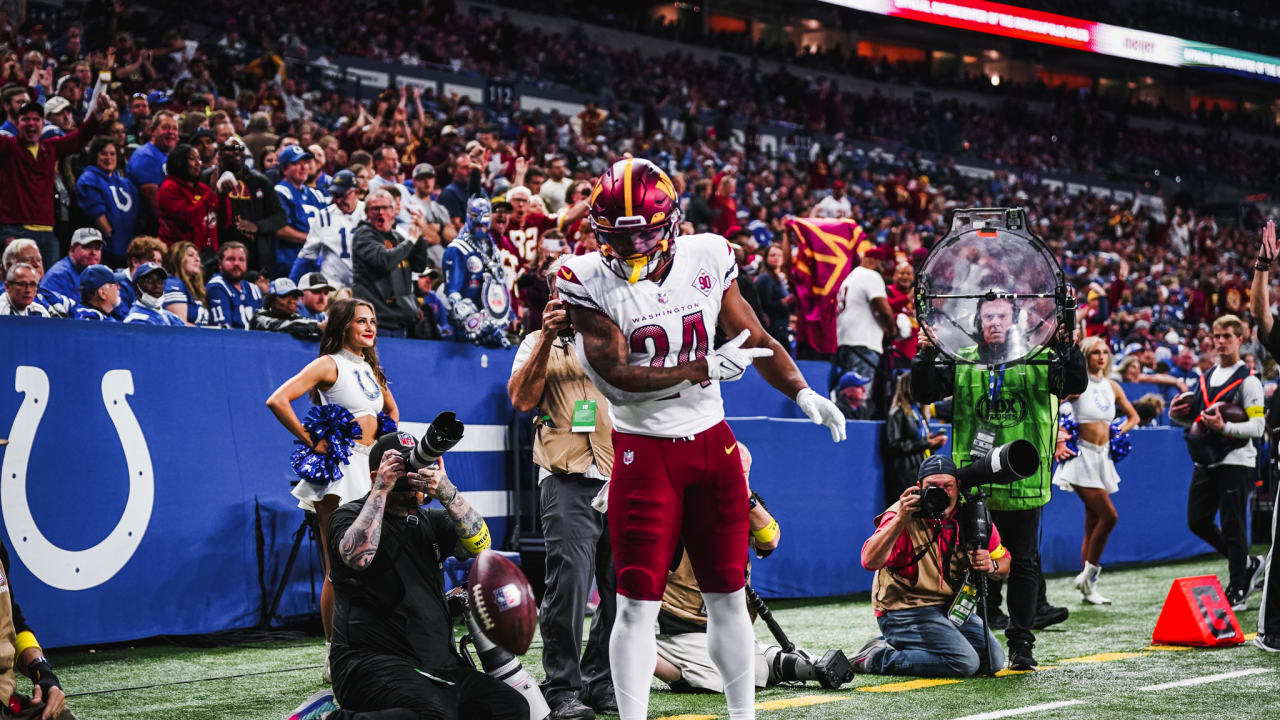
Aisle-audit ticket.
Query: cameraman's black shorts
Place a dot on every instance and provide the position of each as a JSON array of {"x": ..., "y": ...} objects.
[{"x": 366, "y": 682}]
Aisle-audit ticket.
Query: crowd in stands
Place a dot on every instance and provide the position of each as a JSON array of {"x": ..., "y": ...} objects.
[{"x": 225, "y": 186}]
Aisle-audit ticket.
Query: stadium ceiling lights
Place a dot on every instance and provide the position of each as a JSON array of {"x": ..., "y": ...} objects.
[{"x": 1094, "y": 37}]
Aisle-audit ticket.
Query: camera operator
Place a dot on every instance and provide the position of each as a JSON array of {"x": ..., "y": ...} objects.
[
  {"x": 21, "y": 651},
  {"x": 921, "y": 566},
  {"x": 997, "y": 405},
  {"x": 573, "y": 450},
  {"x": 684, "y": 662},
  {"x": 392, "y": 630}
]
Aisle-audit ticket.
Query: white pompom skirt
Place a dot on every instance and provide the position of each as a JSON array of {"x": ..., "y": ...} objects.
[
  {"x": 1092, "y": 468},
  {"x": 353, "y": 484}
]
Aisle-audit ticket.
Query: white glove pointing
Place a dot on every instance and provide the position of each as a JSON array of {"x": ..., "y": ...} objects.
[
  {"x": 727, "y": 362},
  {"x": 823, "y": 412}
]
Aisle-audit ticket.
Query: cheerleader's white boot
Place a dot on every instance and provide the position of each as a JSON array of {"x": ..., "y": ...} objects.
[{"x": 1087, "y": 584}]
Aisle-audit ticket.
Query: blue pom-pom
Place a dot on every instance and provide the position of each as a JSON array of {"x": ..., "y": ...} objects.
[
  {"x": 1120, "y": 445},
  {"x": 339, "y": 430},
  {"x": 1068, "y": 423},
  {"x": 386, "y": 424}
]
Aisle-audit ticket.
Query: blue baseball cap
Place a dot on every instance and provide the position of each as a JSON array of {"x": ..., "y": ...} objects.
[
  {"x": 343, "y": 182},
  {"x": 94, "y": 277},
  {"x": 851, "y": 379},
  {"x": 936, "y": 465},
  {"x": 292, "y": 154},
  {"x": 147, "y": 269},
  {"x": 157, "y": 97},
  {"x": 283, "y": 287}
]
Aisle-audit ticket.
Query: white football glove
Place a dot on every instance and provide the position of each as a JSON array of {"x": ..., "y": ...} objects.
[
  {"x": 823, "y": 412},
  {"x": 727, "y": 362}
]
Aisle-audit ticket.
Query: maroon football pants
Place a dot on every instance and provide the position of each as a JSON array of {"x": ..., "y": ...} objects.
[{"x": 664, "y": 490}]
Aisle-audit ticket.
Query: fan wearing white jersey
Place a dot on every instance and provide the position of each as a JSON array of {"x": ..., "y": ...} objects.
[
  {"x": 646, "y": 307},
  {"x": 328, "y": 245}
]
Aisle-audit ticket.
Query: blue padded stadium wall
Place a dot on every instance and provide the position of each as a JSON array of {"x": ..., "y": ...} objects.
[{"x": 206, "y": 452}]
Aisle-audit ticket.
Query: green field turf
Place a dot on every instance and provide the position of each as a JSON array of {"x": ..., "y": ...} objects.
[{"x": 164, "y": 681}]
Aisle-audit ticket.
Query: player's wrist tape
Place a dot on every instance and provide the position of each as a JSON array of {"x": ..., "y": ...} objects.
[
  {"x": 1262, "y": 264},
  {"x": 26, "y": 639},
  {"x": 766, "y": 534},
  {"x": 479, "y": 541}
]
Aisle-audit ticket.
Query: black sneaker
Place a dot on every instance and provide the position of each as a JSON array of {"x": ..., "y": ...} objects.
[
  {"x": 1047, "y": 615},
  {"x": 604, "y": 703},
  {"x": 1020, "y": 657},
  {"x": 1238, "y": 597},
  {"x": 1269, "y": 642},
  {"x": 872, "y": 649},
  {"x": 996, "y": 619},
  {"x": 1254, "y": 573},
  {"x": 571, "y": 708}
]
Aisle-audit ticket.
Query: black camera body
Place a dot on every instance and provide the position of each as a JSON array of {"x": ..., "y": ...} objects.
[
  {"x": 933, "y": 503},
  {"x": 831, "y": 670}
]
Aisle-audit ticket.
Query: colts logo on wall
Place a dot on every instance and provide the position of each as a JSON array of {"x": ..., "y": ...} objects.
[{"x": 58, "y": 567}]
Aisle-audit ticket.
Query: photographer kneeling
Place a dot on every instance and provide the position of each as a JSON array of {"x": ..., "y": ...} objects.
[
  {"x": 921, "y": 564},
  {"x": 393, "y": 654}
]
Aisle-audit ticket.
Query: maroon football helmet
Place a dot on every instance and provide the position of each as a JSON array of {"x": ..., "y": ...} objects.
[{"x": 635, "y": 213}]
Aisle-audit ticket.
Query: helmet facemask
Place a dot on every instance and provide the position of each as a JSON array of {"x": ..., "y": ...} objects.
[{"x": 636, "y": 253}]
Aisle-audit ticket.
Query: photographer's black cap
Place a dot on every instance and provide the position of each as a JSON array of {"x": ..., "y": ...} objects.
[
  {"x": 399, "y": 441},
  {"x": 934, "y": 465}
]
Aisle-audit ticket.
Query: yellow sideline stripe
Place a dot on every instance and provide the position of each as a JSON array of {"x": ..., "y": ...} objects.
[
  {"x": 801, "y": 701},
  {"x": 909, "y": 685},
  {"x": 1103, "y": 657},
  {"x": 1168, "y": 648},
  {"x": 1248, "y": 637},
  {"x": 1006, "y": 672}
]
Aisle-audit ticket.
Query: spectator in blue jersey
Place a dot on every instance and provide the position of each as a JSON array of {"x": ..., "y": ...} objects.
[
  {"x": 233, "y": 300},
  {"x": 184, "y": 291},
  {"x": 315, "y": 291},
  {"x": 108, "y": 199},
  {"x": 148, "y": 285},
  {"x": 146, "y": 166},
  {"x": 99, "y": 294},
  {"x": 143, "y": 249},
  {"x": 328, "y": 246},
  {"x": 64, "y": 277},
  {"x": 299, "y": 203},
  {"x": 318, "y": 179},
  {"x": 454, "y": 196},
  {"x": 759, "y": 227}
]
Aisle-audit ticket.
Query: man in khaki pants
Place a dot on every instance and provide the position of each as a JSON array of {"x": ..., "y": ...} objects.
[
  {"x": 19, "y": 650},
  {"x": 574, "y": 451}
]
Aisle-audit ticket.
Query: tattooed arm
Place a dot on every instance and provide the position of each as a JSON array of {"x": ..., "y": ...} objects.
[
  {"x": 473, "y": 534},
  {"x": 360, "y": 543}
]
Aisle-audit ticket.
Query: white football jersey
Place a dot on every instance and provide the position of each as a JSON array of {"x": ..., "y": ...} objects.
[
  {"x": 330, "y": 240},
  {"x": 665, "y": 324}
]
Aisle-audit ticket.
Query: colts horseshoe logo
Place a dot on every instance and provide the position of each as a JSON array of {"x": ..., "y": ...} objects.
[{"x": 75, "y": 569}]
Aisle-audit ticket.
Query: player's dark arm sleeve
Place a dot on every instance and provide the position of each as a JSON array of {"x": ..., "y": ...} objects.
[
  {"x": 1068, "y": 374},
  {"x": 930, "y": 381}
]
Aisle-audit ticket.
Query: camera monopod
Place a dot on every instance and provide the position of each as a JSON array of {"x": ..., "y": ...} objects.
[
  {"x": 831, "y": 671},
  {"x": 978, "y": 531}
]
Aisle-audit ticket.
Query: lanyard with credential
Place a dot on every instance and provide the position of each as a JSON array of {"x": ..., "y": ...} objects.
[
  {"x": 922, "y": 427},
  {"x": 995, "y": 383}
]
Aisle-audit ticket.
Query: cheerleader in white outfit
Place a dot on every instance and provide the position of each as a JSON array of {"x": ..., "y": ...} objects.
[
  {"x": 1090, "y": 473},
  {"x": 347, "y": 374}
]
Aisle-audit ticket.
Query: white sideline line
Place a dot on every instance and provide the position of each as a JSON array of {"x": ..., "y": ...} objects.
[
  {"x": 1204, "y": 679},
  {"x": 1022, "y": 710}
]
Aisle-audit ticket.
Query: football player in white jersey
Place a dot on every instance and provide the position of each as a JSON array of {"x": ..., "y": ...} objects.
[
  {"x": 328, "y": 245},
  {"x": 646, "y": 307}
]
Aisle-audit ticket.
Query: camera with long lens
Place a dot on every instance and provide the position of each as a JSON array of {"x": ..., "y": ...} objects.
[
  {"x": 442, "y": 434},
  {"x": 1004, "y": 464},
  {"x": 788, "y": 663}
]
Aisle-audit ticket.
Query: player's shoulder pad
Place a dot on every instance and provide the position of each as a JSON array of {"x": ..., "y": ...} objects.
[{"x": 578, "y": 279}]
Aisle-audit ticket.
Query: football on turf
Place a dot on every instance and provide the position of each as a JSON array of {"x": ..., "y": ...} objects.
[{"x": 502, "y": 602}]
